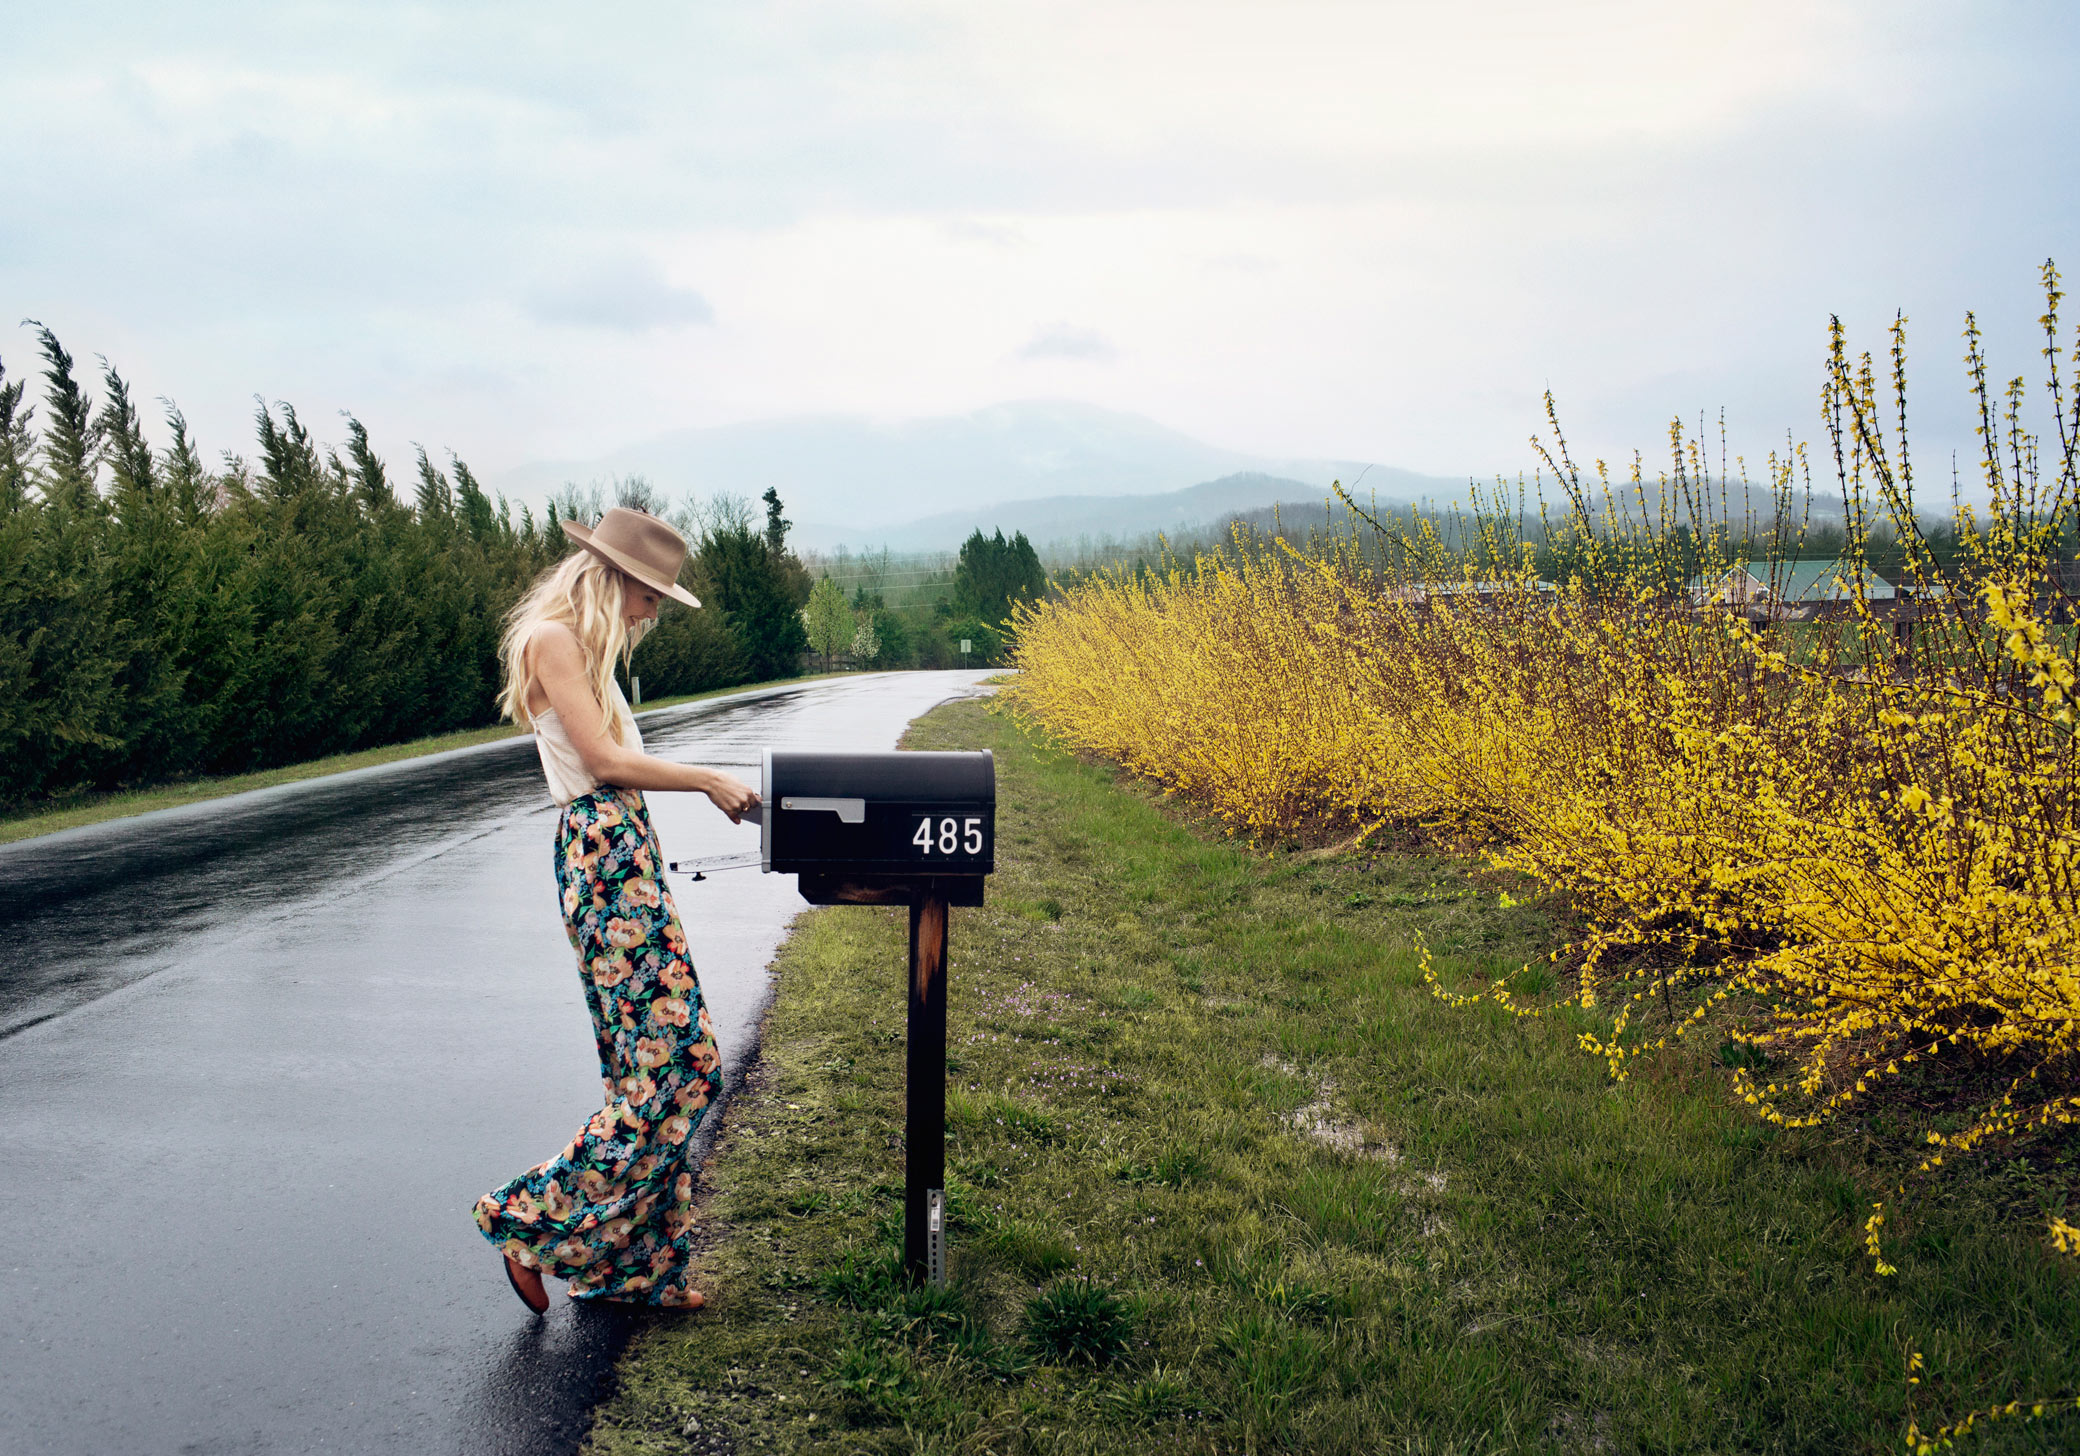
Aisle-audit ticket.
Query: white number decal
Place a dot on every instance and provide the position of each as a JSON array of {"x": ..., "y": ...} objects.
[{"x": 949, "y": 836}]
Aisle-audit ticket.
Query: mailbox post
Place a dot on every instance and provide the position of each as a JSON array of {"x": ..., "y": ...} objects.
[
  {"x": 924, "y": 1117},
  {"x": 915, "y": 829}
]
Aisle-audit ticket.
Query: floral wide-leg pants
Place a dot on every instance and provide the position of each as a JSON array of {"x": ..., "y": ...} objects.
[{"x": 613, "y": 1212}]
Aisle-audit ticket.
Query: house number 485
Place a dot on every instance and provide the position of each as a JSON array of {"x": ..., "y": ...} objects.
[{"x": 948, "y": 835}]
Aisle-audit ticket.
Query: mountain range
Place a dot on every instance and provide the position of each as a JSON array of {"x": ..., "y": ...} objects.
[
  {"x": 1057, "y": 470},
  {"x": 1063, "y": 522}
]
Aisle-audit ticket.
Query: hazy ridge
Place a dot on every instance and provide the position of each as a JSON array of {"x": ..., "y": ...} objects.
[{"x": 1057, "y": 470}]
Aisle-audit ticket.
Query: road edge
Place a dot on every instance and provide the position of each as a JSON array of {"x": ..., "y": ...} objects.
[{"x": 20, "y": 830}]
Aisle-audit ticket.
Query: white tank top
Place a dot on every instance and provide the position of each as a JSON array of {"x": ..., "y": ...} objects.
[{"x": 561, "y": 765}]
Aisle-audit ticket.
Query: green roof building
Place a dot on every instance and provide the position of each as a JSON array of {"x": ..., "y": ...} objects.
[{"x": 1789, "y": 584}]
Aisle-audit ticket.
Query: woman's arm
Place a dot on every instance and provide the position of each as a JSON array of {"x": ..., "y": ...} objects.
[{"x": 559, "y": 664}]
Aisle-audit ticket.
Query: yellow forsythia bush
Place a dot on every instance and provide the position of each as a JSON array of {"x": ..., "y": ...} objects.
[{"x": 1864, "y": 832}]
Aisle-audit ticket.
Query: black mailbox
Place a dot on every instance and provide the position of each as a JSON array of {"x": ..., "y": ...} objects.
[
  {"x": 916, "y": 829},
  {"x": 880, "y": 826}
]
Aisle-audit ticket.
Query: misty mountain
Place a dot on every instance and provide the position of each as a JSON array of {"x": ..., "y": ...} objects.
[
  {"x": 1060, "y": 521},
  {"x": 857, "y": 481}
]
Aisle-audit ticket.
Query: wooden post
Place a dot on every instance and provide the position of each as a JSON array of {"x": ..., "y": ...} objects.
[{"x": 924, "y": 1132}]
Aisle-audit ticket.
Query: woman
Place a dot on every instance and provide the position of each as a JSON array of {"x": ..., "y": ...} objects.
[{"x": 613, "y": 1212}]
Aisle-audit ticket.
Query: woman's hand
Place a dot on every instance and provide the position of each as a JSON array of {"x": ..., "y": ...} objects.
[{"x": 731, "y": 797}]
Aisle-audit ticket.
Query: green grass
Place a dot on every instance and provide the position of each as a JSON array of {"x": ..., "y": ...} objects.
[
  {"x": 73, "y": 810},
  {"x": 1225, "y": 1177}
]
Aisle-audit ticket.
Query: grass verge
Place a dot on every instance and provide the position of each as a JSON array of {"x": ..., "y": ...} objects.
[
  {"x": 73, "y": 810},
  {"x": 1224, "y": 1177}
]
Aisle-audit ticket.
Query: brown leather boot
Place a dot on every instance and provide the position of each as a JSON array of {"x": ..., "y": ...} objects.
[{"x": 527, "y": 1283}]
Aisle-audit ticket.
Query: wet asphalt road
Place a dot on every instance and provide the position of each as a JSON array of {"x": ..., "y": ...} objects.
[{"x": 259, "y": 1056}]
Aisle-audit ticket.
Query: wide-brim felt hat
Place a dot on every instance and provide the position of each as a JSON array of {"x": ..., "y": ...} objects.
[{"x": 639, "y": 544}]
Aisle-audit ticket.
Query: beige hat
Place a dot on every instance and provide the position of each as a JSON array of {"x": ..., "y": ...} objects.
[{"x": 641, "y": 545}]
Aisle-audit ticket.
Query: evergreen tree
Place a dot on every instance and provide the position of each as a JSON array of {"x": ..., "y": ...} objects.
[
  {"x": 151, "y": 593},
  {"x": 17, "y": 444},
  {"x": 187, "y": 479},
  {"x": 77, "y": 648},
  {"x": 129, "y": 455},
  {"x": 371, "y": 481},
  {"x": 895, "y": 638},
  {"x": 220, "y": 632},
  {"x": 69, "y": 443},
  {"x": 19, "y": 520},
  {"x": 435, "y": 499},
  {"x": 288, "y": 458},
  {"x": 690, "y": 650},
  {"x": 755, "y": 589},
  {"x": 284, "y": 697},
  {"x": 992, "y": 575},
  {"x": 472, "y": 506}
]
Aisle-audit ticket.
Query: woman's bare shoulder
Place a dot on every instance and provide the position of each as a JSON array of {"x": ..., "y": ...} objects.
[{"x": 555, "y": 642}]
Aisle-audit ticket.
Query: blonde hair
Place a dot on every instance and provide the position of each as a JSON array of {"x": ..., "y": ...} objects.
[{"x": 589, "y": 597}]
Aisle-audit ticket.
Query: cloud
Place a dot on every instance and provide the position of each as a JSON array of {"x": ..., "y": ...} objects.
[
  {"x": 630, "y": 296},
  {"x": 974, "y": 230},
  {"x": 1061, "y": 341},
  {"x": 1325, "y": 227}
]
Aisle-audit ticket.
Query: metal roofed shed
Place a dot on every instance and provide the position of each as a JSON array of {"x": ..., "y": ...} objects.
[{"x": 1790, "y": 584}]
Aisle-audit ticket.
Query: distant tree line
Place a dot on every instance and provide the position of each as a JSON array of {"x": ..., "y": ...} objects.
[
  {"x": 162, "y": 617},
  {"x": 908, "y": 622}
]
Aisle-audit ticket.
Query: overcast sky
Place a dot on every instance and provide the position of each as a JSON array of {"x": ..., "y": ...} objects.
[{"x": 1366, "y": 230}]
